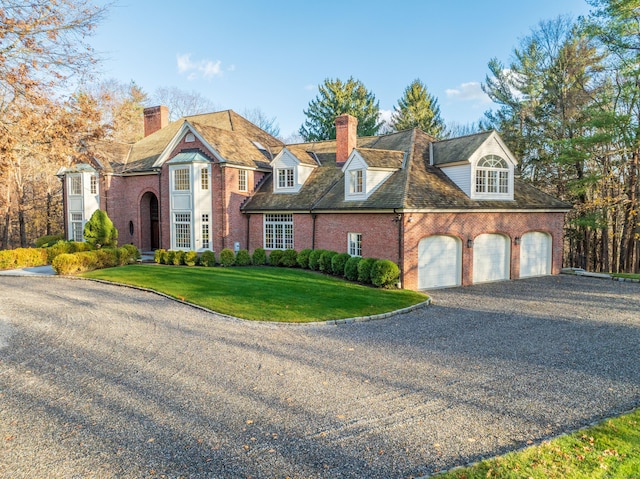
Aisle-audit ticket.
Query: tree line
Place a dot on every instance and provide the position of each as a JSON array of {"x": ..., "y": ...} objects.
[{"x": 567, "y": 105}]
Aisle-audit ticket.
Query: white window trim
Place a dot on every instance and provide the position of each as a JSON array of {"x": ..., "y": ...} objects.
[
  {"x": 285, "y": 170},
  {"x": 179, "y": 220},
  {"x": 243, "y": 183},
  {"x": 77, "y": 181},
  {"x": 498, "y": 174},
  {"x": 354, "y": 244},
  {"x": 93, "y": 186},
  {"x": 272, "y": 223},
  {"x": 204, "y": 178},
  {"x": 174, "y": 179},
  {"x": 76, "y": 223}
]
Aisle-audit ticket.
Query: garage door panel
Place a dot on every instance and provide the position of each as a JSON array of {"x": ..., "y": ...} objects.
[
  {"x": 439, "y": 262},
  {"x": 491, "y": 258},
  {"x": 535, "y": 254}
]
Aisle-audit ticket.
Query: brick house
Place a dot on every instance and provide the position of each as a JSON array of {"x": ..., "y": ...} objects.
[{"x": 448, "y": 212}]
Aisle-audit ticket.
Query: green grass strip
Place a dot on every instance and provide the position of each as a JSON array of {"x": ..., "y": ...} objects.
[
  {"x": 609, "y": 450},
  {"x": 263, "y": 293}
]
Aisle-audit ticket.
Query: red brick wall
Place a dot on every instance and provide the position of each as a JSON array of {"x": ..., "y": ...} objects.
[{"x": 468, "y": 226}]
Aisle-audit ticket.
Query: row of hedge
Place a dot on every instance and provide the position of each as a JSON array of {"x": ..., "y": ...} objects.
[
  {"x": 378, "y": 272},
  {"x": 23, "y": 258},
  {"x": 73, "y": 263}
]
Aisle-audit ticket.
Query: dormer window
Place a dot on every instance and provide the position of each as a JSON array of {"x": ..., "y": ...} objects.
[
  {"x": 356, "y": 181},
  {"x": 492, "y": 175},
  {"x": 285, "y": 178}
]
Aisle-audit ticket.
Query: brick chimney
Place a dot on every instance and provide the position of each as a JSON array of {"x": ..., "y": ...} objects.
[
  {"x": 155, "y": 118},
  {"x": 346, "y": 137}
]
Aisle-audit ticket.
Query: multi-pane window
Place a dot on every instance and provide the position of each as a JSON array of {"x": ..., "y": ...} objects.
[
  {"x": 182, "y": 225},
  {"x": 75, "y": 185},
  {"x": 204, "y": 178},
  {"x": 278, "y": 231},
  {"x": 285, "y": 178},
  {"x": 205, "y": 231},
  {"x": 356, "y": 183},
  {"x": 492, "y": 175},
  {"x": 94, "y": 185},
  {"x": 76, "y": 227},
  {"x": 355, "y": 244},
  {"x": 181, "y": 179},
  {"x": 242, "y": 180}
]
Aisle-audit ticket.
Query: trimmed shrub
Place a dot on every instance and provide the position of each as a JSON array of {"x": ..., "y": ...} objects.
[
  {"x": 314, "y": 259},
  {"x": 66, "y": 263},
  {"x": 79, "y": 246},
  {"x": 338, "y": 263},
  {"x": 160, "y": 256},
  {"x": 364, "y": 270},
  {"x": 259, "y": 256},
  {"x": 351, "y": 268},
  {"x": 134, "y": 253},
  {"x": 275, "y": 257},
  {"x": 48, "y": 240},
  {"x": 385, "y": 273},
  {"x": 99, "y": 230},
  {"x": 171, "y": 254},
  {"x": 243, "y": 258},
  {"x": 227, "y": 257},
  {"x": 178, "y": 258},
  {"x": 208, "y": 258},
  {"x": 303, "y": 258},
  {"x": 190, "y": 258},
  {"x": 325, "y": 261},
  {"x": 289, "y": 258},
  {"x": 23, "y": 258}
]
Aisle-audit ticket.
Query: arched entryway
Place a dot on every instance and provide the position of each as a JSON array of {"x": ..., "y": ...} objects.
[{"x": 149, "y": 222}]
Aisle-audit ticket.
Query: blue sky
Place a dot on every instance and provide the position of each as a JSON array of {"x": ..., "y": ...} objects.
[{"x": 272, "y": 55}]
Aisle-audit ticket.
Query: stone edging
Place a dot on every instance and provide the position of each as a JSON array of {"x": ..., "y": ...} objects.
[
  {"x": 582, "y": 272},
  {"x": 330, "y": 322}
]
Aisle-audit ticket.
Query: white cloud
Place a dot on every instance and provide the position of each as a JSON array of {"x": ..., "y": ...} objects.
[
  {"x": 470, "y": 91},
  {"x": 195, "y": 69},
  {"x": 310, "y": 87}
]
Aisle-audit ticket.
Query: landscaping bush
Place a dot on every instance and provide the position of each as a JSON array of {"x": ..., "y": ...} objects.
[
  {"x": 227, "y": 257},
  {"x": 289, "y": 258},
  {"x": 351, "y": 268},
  {"x": 314, "y": 259},
  {"x": 275, "y": 257},
  {"x": 190, "y": 258},
  {"x": 303, "y": 258},
  {"x": 325, "y": 261},
  {"x": 23, "y": 258},
  {"x": 134, "y": 253},
  {"x": 66, "y": 263},
  {"x": 66, "y": 247},
  {"x": 99, "y": 230},
  {"x": 170, "y": 256},
  {"x": 338, "y": 263},
  {"x": 208, "y": 258},
  {"x": 48, "y": 240},
  {"x": 259, "y": 256},
  {"x": 364, "y": 270},
  {"x": 243, "y": 258},
  {"x": 178, "y": 258},
  {"x": 160, "y": 256},
  {"x": 385, "y": 274}
]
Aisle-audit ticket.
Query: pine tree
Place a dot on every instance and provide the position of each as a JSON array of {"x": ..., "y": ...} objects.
[
  {"x": 99, "y": 230},
  {"x": 337, "y": 98},
  {"x": 418, "y": 109}
]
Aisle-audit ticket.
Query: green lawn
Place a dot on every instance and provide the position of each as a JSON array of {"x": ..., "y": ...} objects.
[
  {"x": 626, "y": 275},
  {"x": 263, "y": 293},
  {"x": 608, "y": 450}
]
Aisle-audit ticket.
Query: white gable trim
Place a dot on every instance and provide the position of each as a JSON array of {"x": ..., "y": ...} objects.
[{"x": 184, "y": 129}]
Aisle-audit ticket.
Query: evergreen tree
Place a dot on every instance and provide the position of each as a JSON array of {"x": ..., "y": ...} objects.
[
  {"x": 337, "y": 98},
  {"x": 99, "y": 230},
  {"x": 418, "y": 109}
]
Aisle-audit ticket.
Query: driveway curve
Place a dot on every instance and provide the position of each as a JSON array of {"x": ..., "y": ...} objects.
[{"x": 99, "y": 381}]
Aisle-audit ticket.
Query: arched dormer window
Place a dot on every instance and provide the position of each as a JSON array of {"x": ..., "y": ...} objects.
[{"x": 492, "y": 175}]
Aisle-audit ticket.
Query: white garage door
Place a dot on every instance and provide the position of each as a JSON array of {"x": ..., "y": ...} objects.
[
  {"x": 491, "y": 258},
  {"x": 439, "y": 262},
  {"x": 535, "y": 254}
]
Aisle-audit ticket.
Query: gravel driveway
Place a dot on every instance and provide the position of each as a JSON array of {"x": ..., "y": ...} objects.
[{"x": 98, "y": 381}]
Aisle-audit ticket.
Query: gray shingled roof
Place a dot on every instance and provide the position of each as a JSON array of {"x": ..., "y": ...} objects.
[{"x": 458, "y": 149}]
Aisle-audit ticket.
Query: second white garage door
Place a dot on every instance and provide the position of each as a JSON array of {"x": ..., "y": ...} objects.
[
  {"x": 491, "y": 258},
  {"x": 439, "y": 262}
]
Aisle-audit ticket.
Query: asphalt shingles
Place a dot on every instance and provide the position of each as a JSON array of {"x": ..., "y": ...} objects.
[{"x": 101, "y": 381}]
